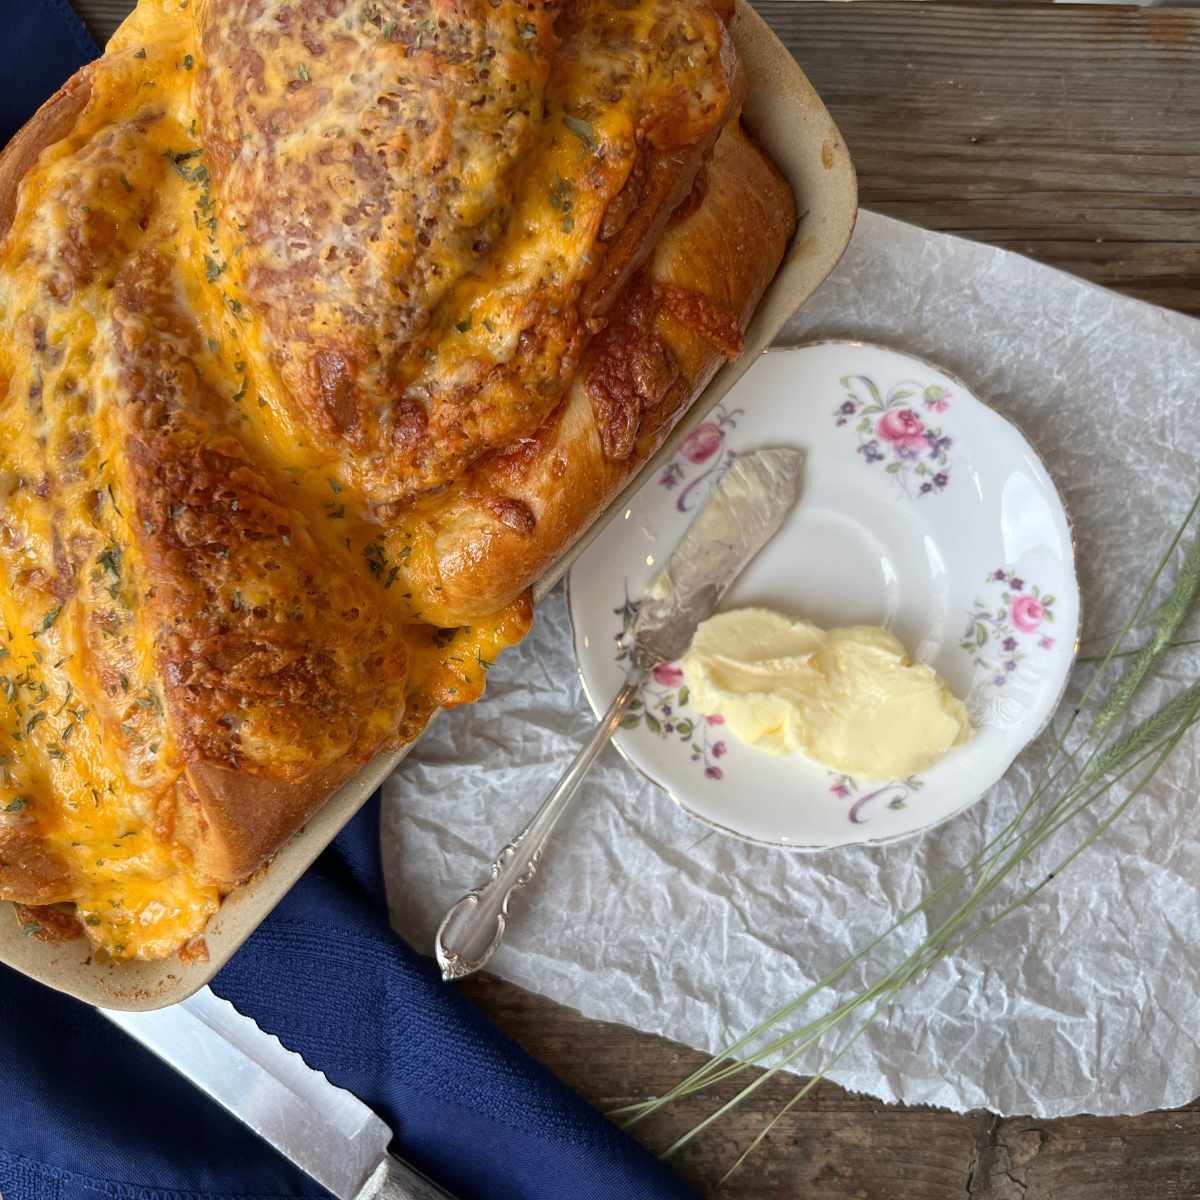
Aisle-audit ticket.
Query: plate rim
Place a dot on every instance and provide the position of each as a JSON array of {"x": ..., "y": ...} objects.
[{"x": 1072, "y": 560}]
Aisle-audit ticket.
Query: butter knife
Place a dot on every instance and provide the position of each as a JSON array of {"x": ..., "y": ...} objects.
[
  {"x": 326, "y": 1131},
  {"x": 739, "y": 517}
]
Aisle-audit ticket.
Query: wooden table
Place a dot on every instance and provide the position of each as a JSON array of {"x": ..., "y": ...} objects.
[{"x": 1072, "y": 134}]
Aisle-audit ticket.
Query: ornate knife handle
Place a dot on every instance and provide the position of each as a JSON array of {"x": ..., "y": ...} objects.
[{"x": 473, "y": 928}]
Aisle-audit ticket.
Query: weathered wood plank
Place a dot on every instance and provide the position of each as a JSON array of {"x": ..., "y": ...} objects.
[
  {"x": 832, "y": 1146},
  {"x": 835, "y": 1145},
  {"x": 1151, "y": 1157},
  {"x": 1068, "y": 133}
]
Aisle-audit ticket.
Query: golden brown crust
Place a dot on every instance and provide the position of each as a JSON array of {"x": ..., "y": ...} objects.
[
  {"x": 243, "y": 627},
  {"x": 239, "y": 820},
  {"x": 271, "y": 659},
  {"x": 230, "y": 820},
  {"x": 48, "y": 923},
  {"x": 417, "y": 278},
  {"x": 51, "y": 123},
  {"x": 727, "y": 249},
  {"x": 30, "y": 872}
]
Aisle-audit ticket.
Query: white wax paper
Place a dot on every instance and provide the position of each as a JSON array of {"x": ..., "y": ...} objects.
[{"x": 1082, "y": 1001}]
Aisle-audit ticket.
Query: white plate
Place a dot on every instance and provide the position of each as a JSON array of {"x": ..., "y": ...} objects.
[{"x": 924, "y": 511}]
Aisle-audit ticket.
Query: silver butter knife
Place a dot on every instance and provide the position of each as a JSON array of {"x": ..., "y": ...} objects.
[
  {"x": 328, "y": 1133},
  {"x": 739, "y": 517}
]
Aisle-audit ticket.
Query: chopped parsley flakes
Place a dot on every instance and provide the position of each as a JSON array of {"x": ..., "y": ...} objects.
[{"x": 581, "y": 129}]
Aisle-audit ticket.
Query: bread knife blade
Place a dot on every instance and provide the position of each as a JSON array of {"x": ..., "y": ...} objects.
[{"x": 324, "y": 1130}]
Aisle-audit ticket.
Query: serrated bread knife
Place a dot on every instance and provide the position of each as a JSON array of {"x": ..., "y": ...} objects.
[
  {"x": 327, "y": 1132},
  {"x": 740, "y": 516}
]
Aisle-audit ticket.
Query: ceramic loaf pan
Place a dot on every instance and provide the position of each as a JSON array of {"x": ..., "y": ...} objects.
[{"x": 786, "y": 116}]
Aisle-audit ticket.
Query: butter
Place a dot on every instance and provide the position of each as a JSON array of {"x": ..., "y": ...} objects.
[{"x": 850, "y": 698}]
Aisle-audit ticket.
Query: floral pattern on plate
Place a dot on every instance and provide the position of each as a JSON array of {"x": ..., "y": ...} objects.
[
  {"x": 894, "y": 793},
  {"x": 999, "y": 635},
  {"x": 704, "y": 447},
  {"x": 850, "y": 553},
  {"x": 663, "y": 708},
  {"x": 892, "y": 429}
]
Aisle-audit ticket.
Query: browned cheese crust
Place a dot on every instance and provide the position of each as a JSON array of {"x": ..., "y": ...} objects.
[
  {"x": 326, "y": 329},
  {"x": 667, "y": 336}
]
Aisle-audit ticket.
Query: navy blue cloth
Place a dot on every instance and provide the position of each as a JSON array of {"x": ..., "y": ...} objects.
[
  {"x": 42, "y": 44},
  {"x": 86, "y": 1112}
]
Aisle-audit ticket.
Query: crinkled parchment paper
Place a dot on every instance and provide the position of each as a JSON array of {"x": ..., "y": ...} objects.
[{"x": 1082, "y": 1001}]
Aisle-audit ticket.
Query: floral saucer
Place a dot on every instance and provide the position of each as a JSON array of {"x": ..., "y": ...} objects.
[{"x": 924, "y": 511}]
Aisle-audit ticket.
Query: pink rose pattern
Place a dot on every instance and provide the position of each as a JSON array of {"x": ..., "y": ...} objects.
[
  {"x": 668, "y": 675},
  {"x": 1027, "y": 614},
  {"x": 904, "y": 429},
  {"x": 892, "y": 431},
  {"x": 663, "y": 709},
  {"x": 704, "y": 447},
  {"x": 702, "y": 443},
  {"x": 1000, "y": 633}
]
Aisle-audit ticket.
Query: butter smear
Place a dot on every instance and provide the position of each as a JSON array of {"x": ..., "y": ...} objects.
[{"x": 851, "y": 699}]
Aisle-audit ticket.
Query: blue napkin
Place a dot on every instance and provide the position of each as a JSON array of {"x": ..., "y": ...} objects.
[
  {"x": 42, "y": 44},
  {"x": 85, "y": 1111}
]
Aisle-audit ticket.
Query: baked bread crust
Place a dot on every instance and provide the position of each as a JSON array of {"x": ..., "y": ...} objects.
[
  {"x": 266, "y": 707},
  {"x": 51, "y": 123},
  {"x": 726, "y": 251}
]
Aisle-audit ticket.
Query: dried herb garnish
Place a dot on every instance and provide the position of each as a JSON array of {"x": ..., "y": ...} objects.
[
  {"x": 581, "y": 129},
  {"x": 376, "y": 559},
  {"x": 48, "y": 620},
  {"x": 110, "y": 559}
]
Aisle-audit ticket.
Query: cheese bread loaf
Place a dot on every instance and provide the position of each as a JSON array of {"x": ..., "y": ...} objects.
[{"x": 326, "y": 327}]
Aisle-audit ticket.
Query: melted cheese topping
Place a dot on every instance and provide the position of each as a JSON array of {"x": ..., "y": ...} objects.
[
  {"x": 294, "y": 271},
  {"x": 420, "y": 188}
]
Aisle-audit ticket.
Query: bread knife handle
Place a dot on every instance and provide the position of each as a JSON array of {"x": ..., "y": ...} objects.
[
  {"x": 473, "y": 928},
  {"x": 394, "y": 1179}
]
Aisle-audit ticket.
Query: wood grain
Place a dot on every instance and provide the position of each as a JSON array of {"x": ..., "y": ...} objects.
[
  {"x": 1071, "y": 134},
  {"x": 1068, "y": 133},
  {"x": 835, "y": 1145}
]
